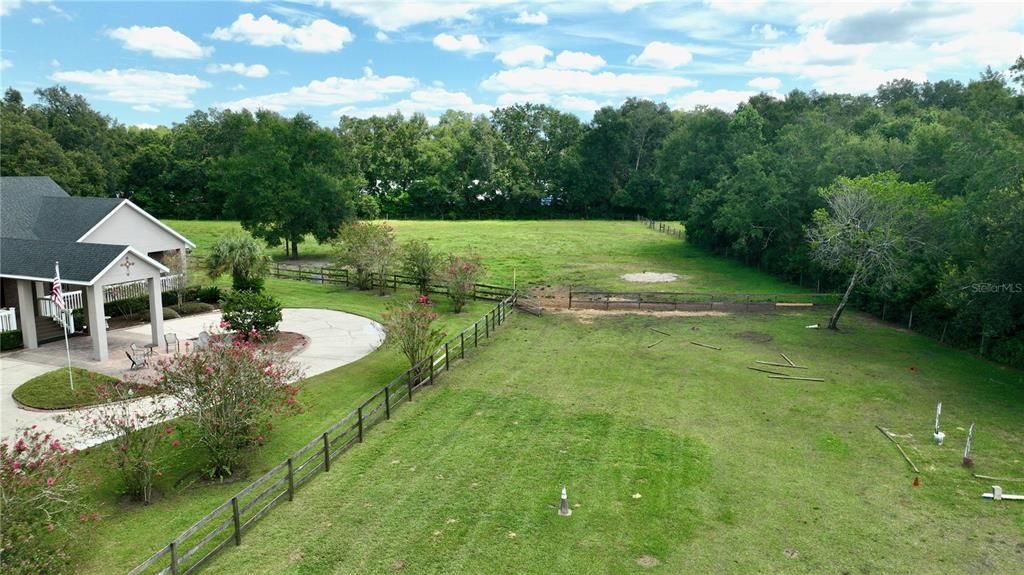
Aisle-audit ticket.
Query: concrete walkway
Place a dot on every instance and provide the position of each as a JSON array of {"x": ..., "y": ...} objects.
[{"x": 335, "y": 339}]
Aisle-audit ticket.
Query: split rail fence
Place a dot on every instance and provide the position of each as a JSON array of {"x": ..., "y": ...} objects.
[
  {"x": 343, "y": 276},
  {"x": 224, "y": 526},
  {"x": 695, "y": 301}
]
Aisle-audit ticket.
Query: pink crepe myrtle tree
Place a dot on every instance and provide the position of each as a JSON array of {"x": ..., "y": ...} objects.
[{"x": 459, "y": 274}]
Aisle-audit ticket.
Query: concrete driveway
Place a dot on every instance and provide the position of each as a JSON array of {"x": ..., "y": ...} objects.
[{"x": 335, "y": 339}]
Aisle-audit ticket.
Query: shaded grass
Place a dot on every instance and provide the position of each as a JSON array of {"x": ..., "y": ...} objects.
[
  {"x": 52, "y": 389},
  {"x": 734, "y": 469},
  {"x": 584, "y": 254}
]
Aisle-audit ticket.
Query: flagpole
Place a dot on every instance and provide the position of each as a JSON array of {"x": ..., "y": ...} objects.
[{"x": 64, "y": 326}]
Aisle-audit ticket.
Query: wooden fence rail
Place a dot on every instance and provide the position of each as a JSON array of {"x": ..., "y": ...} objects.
[
  {"x": 344, "y": 276},
  {"x": 673, "y": 231},
  {"x": 696, "y": 301},
  {"x": 226, "y": 525}
]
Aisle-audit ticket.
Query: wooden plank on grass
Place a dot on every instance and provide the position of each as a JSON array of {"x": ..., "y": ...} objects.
[
  {"x": 706, "y": 345},
  {"x": 771, "y": 363},
  {"x": 659, "y": 331},
  {"x": 655, "y": 343},
  {"x": 889, "y": 436},
  {"x": 990, "y": 478},
  {"x": 765, "y": 371},
  {"x": 789, "y": 361},
  {"x": 794, "y": 377}
]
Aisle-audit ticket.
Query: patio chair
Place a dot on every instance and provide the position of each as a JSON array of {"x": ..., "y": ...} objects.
[
  {"x": 138, "y": 360},
  {"x": 170, "y": 338},
  {"x": 203, "y": 341}
]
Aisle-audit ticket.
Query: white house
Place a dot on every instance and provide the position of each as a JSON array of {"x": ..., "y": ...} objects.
[{"x": 107, "y": 248}]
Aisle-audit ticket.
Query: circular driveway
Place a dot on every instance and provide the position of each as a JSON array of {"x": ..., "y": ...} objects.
[{"x": 335, "y": 339}]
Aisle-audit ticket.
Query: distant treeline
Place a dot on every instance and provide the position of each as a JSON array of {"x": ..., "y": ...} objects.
[{"x": 745, "y": 184}]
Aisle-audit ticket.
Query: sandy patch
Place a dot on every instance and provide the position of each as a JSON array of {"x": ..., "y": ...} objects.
[
  {"x": 650, "y": 277},
  {"x": 588, "y": 315}
]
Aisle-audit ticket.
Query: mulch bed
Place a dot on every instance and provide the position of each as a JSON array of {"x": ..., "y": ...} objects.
[{"x": 287, "y": 342}]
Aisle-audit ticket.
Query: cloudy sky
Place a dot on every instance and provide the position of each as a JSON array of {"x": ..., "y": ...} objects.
[{"x": 149, "y": 63}]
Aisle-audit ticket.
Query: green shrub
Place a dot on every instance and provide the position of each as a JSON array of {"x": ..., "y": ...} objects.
[
  {"x": 169, "y": 313},
  {"x": 127, "y": 306},
  {"x": 209, "y": 294},
  {"x": 248, "y": 311},
  {"x": 10, "y": 340},
  {"x": 193, "y": 307},
  {"x": 421, "y": 263}
]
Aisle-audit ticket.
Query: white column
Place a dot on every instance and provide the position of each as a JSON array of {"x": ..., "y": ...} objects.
[
  {"x": 27, "y": 313},
  {"x": 156, "y": 309},
  {"x": 96, "y": 321}
]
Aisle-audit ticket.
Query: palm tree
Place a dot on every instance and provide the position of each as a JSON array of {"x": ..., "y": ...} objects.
[{"x": 243, "y": 257}]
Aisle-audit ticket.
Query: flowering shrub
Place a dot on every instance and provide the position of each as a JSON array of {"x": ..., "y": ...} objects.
[
  {"x": 410, "y": 328},
  {"x": 458, "y": 275},
  {"x": 229, "y": 393},
  {"x": 135, "y": 433},
  {"x": 39, "y": 498}
]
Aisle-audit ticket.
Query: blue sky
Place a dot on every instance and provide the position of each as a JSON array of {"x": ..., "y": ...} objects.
[{"x": 150, "y": 63}]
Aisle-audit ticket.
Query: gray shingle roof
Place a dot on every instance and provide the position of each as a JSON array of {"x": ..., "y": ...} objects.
[
  {"x": 36, "y": 208},
  {"x": 79, "y": 263}
]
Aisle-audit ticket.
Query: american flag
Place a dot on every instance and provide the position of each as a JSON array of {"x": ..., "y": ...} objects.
[{"x": 57, "y": 293}]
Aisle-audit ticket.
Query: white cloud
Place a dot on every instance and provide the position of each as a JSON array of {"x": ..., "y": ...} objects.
[
  {"x": 160, "y": 41},
  {"x": 8, "y": 6},
  {"x": 317, "y": 36},
  {"x": 394, "y": 18},
  {"x": 627, "y": 5},
  {"x": 137, "y": 87},
  {"x": 984, "y": 48},
  {"x": 531, "y": 54},
  {"x": 861, "y": 78},
  {"x": 564, "y": 101},
  {"x": 511, "y": 98},
  {"x": 726, "y": 100},
  {"x": 662, "y": 55},
  {"x": 249, "y": 71},
  {"x": 768, "y": 32},
  {"x": 381, "y": 36},
  {"x": 578, "y": 60},
  {"x": 813, "y": 49},
  {"x": 55, "y": 63},
  {"x": 551, "y": 80},
  {"x": 146, "y": 126},
  {"x": 238, "y": 87},
  {"x": 431, "y": 102},
  {"x": 38, "y": 21},
  {"x": 525, "y": 17},
  {"x": 468, "y": 43},
  {"x": 5, "y": 64},
  {"x": 145, "y": 108},
  {"x": 332, "y": 91},
  {"x": 578, "y": 104},
  {"x": 763, "y": 83}
]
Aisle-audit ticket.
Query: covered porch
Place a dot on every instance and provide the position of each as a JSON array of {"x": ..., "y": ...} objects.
[{"x": 120, "y": 274}]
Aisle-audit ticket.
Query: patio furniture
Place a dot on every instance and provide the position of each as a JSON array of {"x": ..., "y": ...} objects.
[
  {"x": 138, "y": 361},
  {"x": 138, "y": 351},
  {"x": 203, "y": 341},
  {"x": 170, "y": 338},
  {"x": 151, "y": 349}
]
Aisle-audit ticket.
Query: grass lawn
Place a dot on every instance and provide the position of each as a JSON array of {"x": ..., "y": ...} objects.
[
  {"x": 736, "y": 473},
  {"x": 51, "y": 390},
  {"x": 584, "y": 254}
]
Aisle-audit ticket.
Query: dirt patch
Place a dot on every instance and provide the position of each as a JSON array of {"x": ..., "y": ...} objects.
[
  {"x": 287, "y": 342},
  {"x": 588, "y": 315},
  {"x": 650, "y": 277},
  {"x": 647, "y": 561},
  {"x": 754, "y": 336}
]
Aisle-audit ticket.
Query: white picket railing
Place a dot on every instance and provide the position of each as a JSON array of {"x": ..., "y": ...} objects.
[
  {"x": 139, "y": 288},
  {"x": 73, "y": 300},
  {"x": 8, "y": 319},
  {"x": 48, "y": 309}
]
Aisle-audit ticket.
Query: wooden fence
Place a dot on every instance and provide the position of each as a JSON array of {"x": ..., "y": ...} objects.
[
  {"x": 663, "y": 227},
  {"x": 695, "y": 301},
  {"x": 225, "y": 525},
  {"x": 343, "y": 276}
]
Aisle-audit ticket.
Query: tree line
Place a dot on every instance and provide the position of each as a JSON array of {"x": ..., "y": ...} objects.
[{"x": 745, "y": 184}]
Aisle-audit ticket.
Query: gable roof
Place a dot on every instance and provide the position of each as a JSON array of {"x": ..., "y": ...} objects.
[
  {"x": 36, "y": 208},
  {"x": 79, "y": 263},
  {"x": 127, "y": 204}
]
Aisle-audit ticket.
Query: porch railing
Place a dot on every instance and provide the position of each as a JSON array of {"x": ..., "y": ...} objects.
[
  {"x": 8, "y": 319},
  {"x": 138, "y": 288},
  {"x": 47, "y": 309}
]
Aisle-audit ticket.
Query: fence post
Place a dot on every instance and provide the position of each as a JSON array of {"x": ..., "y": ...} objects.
[
  {"x": 462, "y": 345},
  {"x": 327, "y": 453},
  {"x": 411, "y": 377},
  {"x": 446, "y": 356},
  {"x": 174, "y": 558},
  {"x": 476, "y": 332},
  {"x": 360, "y": 410},
  {"x": 431, "y": 360},
  {"x": 487, "y": 328},
  {"x": 387, "y": 402},
  {"x": 910, "y": 322},
  {"x": 238, "y": 521},
  {"x": 291, "y": 481},
  {"x": 570, "y": 297}
]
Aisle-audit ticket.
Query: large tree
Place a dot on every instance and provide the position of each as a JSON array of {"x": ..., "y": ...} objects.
[{"x": 290, "y": 179}]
